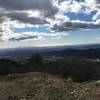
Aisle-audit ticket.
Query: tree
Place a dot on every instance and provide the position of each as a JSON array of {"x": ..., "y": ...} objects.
[{"x": 35, "y": 59}]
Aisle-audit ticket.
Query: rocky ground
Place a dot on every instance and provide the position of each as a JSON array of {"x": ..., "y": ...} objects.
[{"x": 40, "y": 86}]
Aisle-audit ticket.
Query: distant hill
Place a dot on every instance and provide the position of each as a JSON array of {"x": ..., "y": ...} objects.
[
  {"x": 56, "y": 50},
  {"x": 84, "y": 53}
]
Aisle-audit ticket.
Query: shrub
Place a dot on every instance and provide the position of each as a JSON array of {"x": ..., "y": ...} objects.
[
  {"x": 35, "y": 62},
  {"x": 79, "y": 70},
  {"x": 9, "y": 66},
  {"x": 35, "y": 59}
]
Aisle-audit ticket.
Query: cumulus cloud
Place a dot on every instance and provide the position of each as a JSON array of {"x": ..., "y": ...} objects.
[
  {"x": 45, "y": 6},
  {"x": 75, "y": 25},
  {"x": 2, "y": 18},
  {"x": 97, "y": 1},
  {"x": 23, "y": 17},
  {"x": 29, "y": 35},
  {"x": 26, "y": 13},
  {"x": 97, "y": 15},
  {"x": 6, "y": 33},
  {"x": 74, "y": 6}
]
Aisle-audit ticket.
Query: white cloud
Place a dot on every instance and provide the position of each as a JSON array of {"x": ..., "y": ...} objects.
[
  {"x": 70, "y": 6},
  {"x": 6, "y": 33},
  {"x": 97, "y": 21},
  {"x": 29, "y": 13},
  {"x": 90, "y": 3},
  {"x": 64, "y": 6},
  {"x": 97, "y": 15},
  {"x": 74, "y": 6}
]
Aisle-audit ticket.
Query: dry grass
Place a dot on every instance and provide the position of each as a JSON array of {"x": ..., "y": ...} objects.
[{"x": 40, "y": 86}]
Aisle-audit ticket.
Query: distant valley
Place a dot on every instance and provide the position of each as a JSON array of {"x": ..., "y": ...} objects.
[{"x": 88, "y": 51}]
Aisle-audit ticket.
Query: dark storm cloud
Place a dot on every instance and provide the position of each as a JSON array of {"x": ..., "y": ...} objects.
[
  {"x": 23, "y": 17},
  {"x": 25, "y": 4},
  {"x": 98, "y": 1},
  {"x": 45, "y": 6},
  {"x": 69, "y": 26},
  {"x": 1, "y": 20},
  {"x": 1, "y": 32},
  {"x": 98, "y": 4}
]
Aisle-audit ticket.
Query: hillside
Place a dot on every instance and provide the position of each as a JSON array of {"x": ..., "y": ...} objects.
[
  {"x": 73, "y": 78},
  {"x": 40, "y": 86}
]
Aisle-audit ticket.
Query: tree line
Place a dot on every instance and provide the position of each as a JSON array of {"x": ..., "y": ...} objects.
[{"x": 77, "y": 69}]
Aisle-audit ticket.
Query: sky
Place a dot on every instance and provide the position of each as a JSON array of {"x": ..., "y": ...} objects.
[{"x": 49, "y": 22}]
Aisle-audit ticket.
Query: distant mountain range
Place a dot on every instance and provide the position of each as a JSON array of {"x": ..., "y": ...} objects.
[
  {"x": 84, "y": 53},
  {"x": 91, "y": 50}
]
